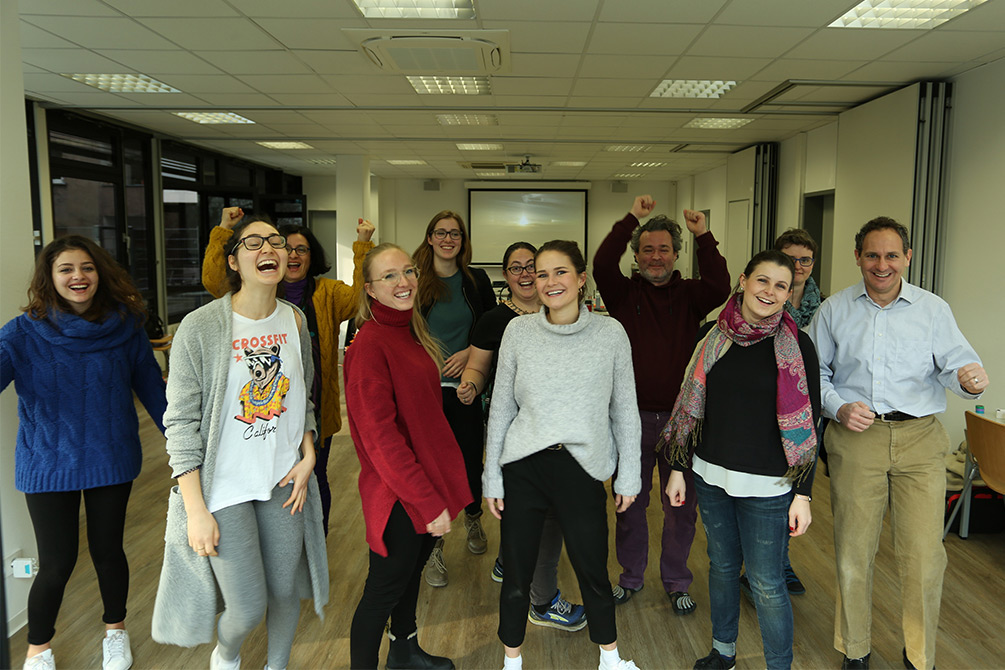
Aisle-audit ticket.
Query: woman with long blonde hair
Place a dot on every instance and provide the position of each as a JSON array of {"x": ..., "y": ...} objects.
[{"x": 412, "y": 479}]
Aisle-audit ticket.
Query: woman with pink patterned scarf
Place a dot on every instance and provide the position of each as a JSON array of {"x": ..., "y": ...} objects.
[{"x": 744, "y": 423}]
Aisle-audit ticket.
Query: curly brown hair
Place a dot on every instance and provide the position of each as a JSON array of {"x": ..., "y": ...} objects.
[{"x": 115, "y": 287}]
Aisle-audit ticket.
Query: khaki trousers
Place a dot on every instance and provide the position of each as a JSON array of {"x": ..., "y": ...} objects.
[{"x": 900, "y": 463}]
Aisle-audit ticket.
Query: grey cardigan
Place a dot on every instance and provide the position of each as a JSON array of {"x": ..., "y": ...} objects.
[
  {"x": 187, "y": 597},
  {"x": 565, "y": 384}
]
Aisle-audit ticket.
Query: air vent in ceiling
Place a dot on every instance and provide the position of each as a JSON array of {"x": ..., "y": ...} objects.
[
  {"x": 483, "y": 165},
  {"x": 459, "y": 52}
]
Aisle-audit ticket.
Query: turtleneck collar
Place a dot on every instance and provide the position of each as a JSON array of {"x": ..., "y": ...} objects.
[
  {"x": 388, "y": 316},
  {"x": 294, "y": 290},
  {"x": 565, "y": 328}
]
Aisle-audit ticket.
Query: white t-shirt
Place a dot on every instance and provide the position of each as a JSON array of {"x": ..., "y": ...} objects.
[{"x": 266, "y": 401}]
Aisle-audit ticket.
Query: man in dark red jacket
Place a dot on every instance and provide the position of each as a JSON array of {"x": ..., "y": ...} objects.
[{"x": 661, "y": 312}]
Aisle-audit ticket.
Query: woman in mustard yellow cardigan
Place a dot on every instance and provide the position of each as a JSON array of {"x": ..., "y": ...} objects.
[{"x": 325, "y": 302}]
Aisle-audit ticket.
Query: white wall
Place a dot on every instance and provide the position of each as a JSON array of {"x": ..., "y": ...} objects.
[
  {"x": 975, "y": 239},
  {"x": 791, "y": 168},
  {"x": 16, "y": 261},
  {"x": 821, "y": 159}
]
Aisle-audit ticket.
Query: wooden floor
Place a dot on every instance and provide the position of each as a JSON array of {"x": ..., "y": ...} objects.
[{"x": 460, "y": 620}]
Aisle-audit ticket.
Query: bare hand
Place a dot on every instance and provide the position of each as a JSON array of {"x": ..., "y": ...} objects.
[
  {"x": 643, "y": 206},
  {"x": 467, "y": 393},
  {"x": 856, "y": 416},
  {"x": 495, "y": 506},
  {"x": 230, "y": 217},
  {"x": 800, "y": 517},
  {"x": 676, "y": 488},
  {"x": 454, "y": 366},
  {"x": 364, "y": 230},
  {"x": 203, "y": 533},
  {"x": 622, "y": 503},
  {"x": 973, "y": 378},
  {"x": 439, "y": 526},
  {"x": 695, "y": 222},
  {"x": 299, "y": 474}
]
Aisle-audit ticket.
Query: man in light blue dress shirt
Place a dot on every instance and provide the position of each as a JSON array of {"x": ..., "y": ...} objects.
[{"x": 888, "y": 351}]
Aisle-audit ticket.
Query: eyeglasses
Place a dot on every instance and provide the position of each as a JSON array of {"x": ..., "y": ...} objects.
[
  {"x": 410, "y": 274},
  {"x": 255, "y": 242},
  {"x": 300, "y": 250},
  {"x": 440, "y": 233},
  {"x": 517, "y": 270},
  {"x": 805, "y": 261}
]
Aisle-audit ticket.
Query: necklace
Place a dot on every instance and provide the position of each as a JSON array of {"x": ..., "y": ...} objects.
[{"x": 516, "y": 308}]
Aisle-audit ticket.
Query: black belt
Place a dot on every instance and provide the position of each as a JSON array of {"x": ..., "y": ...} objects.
[{"x": 895, "y": 416}]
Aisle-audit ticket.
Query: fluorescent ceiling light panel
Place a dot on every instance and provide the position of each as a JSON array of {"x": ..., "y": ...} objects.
[
  {"x": 909, "y": 14},
  {"x": 123, "y": 83},
  {"x": 717, "y": 123},
  {"x": 213, "y": 117},
  {"x": 416, "y": 9},
  {"x": 627, "y": 147},
  {"x": 568, "y": 164},
  {"x": 479, "y": 147},
  {"x": 285, "y": 145},
  {"x": 403, "y": 161},
  {"x": 647, "y": 165},
  {"x": 322, "y": 161},
  {"x": 629, "y": 175},
  {"x": 491, "y": 173},
  {"x": 692, "y": 88},
  {"x": 436, "y": 85},
  {"x": 467, "y": 119}
]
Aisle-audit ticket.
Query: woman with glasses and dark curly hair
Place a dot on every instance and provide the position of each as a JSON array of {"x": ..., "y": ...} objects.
[
  {"x": 325, "y": 302},
  {"x": 245, "y": 517},
  {"x": 453, "y": 296},
  {"x": 75, "y": 356}
]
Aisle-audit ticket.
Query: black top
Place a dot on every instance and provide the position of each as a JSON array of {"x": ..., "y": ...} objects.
[
  {"x": 740, "y": 430},
  {"x": 488, "y": 334}
]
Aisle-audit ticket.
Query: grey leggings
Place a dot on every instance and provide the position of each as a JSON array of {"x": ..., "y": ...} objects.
[{"x": 260, "y": 552}]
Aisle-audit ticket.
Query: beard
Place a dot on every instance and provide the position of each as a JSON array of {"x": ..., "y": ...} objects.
[{"x": 656, "y": 275}]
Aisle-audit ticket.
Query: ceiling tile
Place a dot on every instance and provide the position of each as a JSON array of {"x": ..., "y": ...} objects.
[
  {"x": 255, "y": 62},
  {"x": 314, "y": 33},
  {"x": 988, "y": 16},
  {"x": 948, "y": 47},
  {"x": 289, "y": 83},
  {"x": 897, "y": 71},
  {"x": 384, "y": 84},
  {"x": 34, "y": 37},
  {"x": 177, "y": 100},
  {"x": 852, "y": 44},
  {"x": 161, "y": 62},
  {"x": 814, "y": 14},
  {"x": 545, "y": 65},
  {"x": 522, "y": 10},
  {"x": 661, "y": 11},
  {"x": 793, "y": 68},
  {"x": 306, "y": 8},
  {"x": 336, "y": 62},
  {"x": 747, "y": 42},
  {"x": 54, "y": 83},
  {"x": 211, "y": 34},
  {"x": 642, "y": 38},
  {"x": 314, "y": 100},
  {"x": 81, "y": 61},
  {"x": 544, "y": 36},
  {"x": 232, "y": 100},
  {"x": 182, "y": 8},
  {"x": 539, "y": 101},
  {"x": 710, "y": 67},
  {"x": 66, "y": 8},
  {"x": 207, "y": 83},
  {"x": 631, "y": 67},
  {"x": 102, "y": 33},
  {"x": 531, "y": 85},
  {"x": 622, "y": 88}
]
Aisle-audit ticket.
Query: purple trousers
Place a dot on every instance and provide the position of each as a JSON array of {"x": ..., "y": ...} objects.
[{"x": 631, "y": 535}]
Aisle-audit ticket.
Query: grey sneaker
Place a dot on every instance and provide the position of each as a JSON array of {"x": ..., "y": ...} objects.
[
  {"x": 477, "y": 543},
  {"x": 436, "y": 572}
]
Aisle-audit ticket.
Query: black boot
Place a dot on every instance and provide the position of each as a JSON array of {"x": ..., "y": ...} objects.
[{"x": 405, "y": 654}]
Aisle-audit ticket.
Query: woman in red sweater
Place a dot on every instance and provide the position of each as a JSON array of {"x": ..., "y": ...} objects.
[{"x": 412, "y": 479}]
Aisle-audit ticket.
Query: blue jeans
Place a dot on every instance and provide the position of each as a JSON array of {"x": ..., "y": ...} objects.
[{"x": 751, "y": 530}]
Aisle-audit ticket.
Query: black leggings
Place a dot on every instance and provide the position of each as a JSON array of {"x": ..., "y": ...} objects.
[
  {"x": 55, "y": 518},
  {"x": 468, "y": 424},
  {"x": 391, "y": 589}
]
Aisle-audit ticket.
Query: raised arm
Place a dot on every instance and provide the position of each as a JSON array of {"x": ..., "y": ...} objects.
[
  {"x": 214, "y": 265},
  {"x": 341, "y": 299},
  {"x": 714, "y": 287},
  {"x": 606, "y": 262}
]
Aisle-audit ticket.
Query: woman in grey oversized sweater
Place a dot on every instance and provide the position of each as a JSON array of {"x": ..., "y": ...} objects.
[{"x": 563, "y": 417}]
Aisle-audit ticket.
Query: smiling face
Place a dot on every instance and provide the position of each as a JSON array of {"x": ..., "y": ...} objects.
[
  {"x": 795, "y": 252},
  {"x": 765, "y": 291},
  {"x": 522, "y": 286},
  {"x": 76, "y": 278},
  {"x": 446, "y": 248},
  {"x": 883, "y": 261},
  {"x": 557, "y": 282},
  {"x": 656, "y": 256},
  {"x": 266, "y": 265},
  {"x": 392, "y": 280},
  {"x": 298, "y": 264}
]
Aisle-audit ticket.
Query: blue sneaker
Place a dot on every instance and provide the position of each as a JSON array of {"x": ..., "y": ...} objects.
[{"x": 561, "y": 614}]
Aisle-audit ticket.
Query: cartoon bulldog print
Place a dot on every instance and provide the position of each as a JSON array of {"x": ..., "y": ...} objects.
[{"x": 262, "y": 397}]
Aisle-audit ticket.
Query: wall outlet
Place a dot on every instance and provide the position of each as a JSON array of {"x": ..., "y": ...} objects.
[{"x": 24, "y": 568}]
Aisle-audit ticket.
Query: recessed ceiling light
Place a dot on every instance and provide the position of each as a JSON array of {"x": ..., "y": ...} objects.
[
  {"x": 568, "y": 164},
  {"x": 416, "y": 9},
  {"x": 691, "y": 88},
  {"x": 647, "y": 165},
  {"x": 479, "y": 147},
  {"x": 123, "y": 83},
  {"x": 627, "y": 147},
  {"x": 213, "y": 117},
  {"x": 322, "y": 161},
  {"x": 436, "y": 85},
  {"x": 629, "y": 175},
  {"x": 404, "y": 161},
  {"x": 491, "y": 173},
  {"x": 912, "y": 14},
  {"x": 717, "y": 123},
  {"x": 467, "y": 119},
  {"x": 285, "y": 145}
]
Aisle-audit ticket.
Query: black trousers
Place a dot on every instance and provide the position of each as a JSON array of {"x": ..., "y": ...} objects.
[
  {"x": 553, "y": 479},
  {"x": 55, "y": 518},
  {"x": 468, "y": 424},
  {"x": 391, "y": 589}
]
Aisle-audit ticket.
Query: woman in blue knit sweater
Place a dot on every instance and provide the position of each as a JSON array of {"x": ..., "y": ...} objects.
[{"x": 75, "y": 356}]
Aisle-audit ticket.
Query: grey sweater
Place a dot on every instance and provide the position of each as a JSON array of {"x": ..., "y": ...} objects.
[{"x": 565, "y": 384}]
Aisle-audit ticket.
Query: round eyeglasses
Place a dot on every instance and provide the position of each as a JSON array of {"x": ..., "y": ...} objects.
[
  {"x": 410, "y": 274},
  {"x": 255, "y": 242}
]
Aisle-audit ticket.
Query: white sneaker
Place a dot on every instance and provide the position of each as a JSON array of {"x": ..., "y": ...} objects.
[
  {"x": 115, "y": 651},
  {"x": 216, "y": 661},
  {"x": 622, "y": 664},
  {"x": 43, "y": 661}
]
